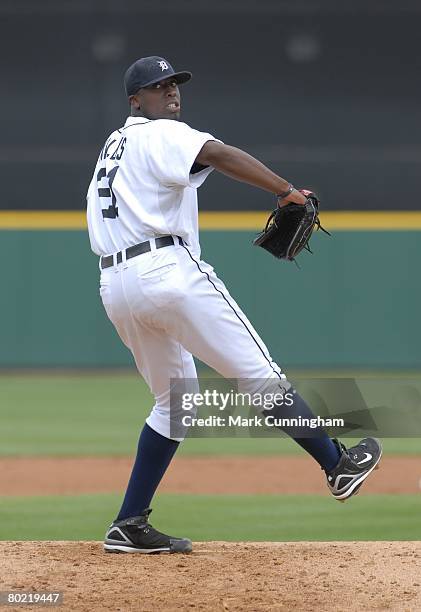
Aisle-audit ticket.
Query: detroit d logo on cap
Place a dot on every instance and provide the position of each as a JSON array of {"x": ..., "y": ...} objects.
[{"x": 163, "y": 65}]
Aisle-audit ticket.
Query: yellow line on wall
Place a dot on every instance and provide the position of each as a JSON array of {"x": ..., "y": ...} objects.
[
  {"x": 372, "y": 220},
  {"x": 42, "y": 220},
  {"x": 226, "y": 220},
  {"x": 331, "y": 220}
]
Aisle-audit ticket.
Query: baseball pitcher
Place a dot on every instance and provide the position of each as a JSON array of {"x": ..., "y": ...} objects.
[{"x": 167, "y": 304}]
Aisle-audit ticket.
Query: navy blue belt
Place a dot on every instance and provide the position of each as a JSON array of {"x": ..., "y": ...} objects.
[{"x": 138, "y": 249}]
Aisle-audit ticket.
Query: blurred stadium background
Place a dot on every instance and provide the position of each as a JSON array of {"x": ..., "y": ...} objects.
[{"x": 327, "y": 94}]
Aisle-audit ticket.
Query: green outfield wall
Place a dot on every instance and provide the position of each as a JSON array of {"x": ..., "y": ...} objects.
[{"x": 355, "y": 303}]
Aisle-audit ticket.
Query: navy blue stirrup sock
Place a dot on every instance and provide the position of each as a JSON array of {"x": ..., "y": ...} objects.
[
  {"x": 154, "y": 454},
  {"x": 319, "y": 445}
]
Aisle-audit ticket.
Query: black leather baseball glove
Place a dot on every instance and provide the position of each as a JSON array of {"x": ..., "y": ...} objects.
[{"x": 289, "y": 228}]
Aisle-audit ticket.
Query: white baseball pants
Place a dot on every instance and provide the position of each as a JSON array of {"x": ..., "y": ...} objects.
[{"x": 166, "y": 306}]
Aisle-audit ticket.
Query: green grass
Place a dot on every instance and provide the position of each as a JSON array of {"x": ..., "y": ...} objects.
[
  {"x": 228, "y": 517},
  {"x": 65, "y": 415},
  {"x": 102, "y": 414}
]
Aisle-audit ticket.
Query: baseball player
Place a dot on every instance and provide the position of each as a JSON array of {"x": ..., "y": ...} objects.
[{"x": 166, "y": 303}]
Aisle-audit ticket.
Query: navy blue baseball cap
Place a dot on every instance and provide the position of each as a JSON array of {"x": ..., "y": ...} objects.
[{"x": 149, "y": 70}]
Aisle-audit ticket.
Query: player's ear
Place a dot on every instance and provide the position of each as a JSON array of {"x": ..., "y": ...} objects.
[{"x": 134, "y": 101}]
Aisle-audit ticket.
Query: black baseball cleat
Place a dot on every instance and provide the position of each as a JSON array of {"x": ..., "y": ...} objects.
[
  {"x": 354, "y": 466},
  {"x": 136, "y": 535}
]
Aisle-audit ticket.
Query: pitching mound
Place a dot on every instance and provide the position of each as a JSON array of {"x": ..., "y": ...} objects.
[{"x": 221, "y": 576}]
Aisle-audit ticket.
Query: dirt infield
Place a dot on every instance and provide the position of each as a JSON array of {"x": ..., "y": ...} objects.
[
  {"x": 208, "y": 475},
  {"x": 221, "y": 576}
]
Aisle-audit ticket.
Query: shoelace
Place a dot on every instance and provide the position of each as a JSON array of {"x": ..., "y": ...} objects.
[
  {"x": 319, "y": 226},
  {"x": 356, "y": 453},
  {"x": 143, "y": 520},
  {"x": 350, "y": 452}
]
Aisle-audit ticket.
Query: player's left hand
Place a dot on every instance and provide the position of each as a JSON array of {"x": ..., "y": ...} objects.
[{"x": 289, "y": 227}]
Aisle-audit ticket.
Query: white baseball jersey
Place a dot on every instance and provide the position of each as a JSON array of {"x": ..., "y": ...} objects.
[
  {"x": 142, "y": 186},
  {"x": 167, "y": 304}
]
